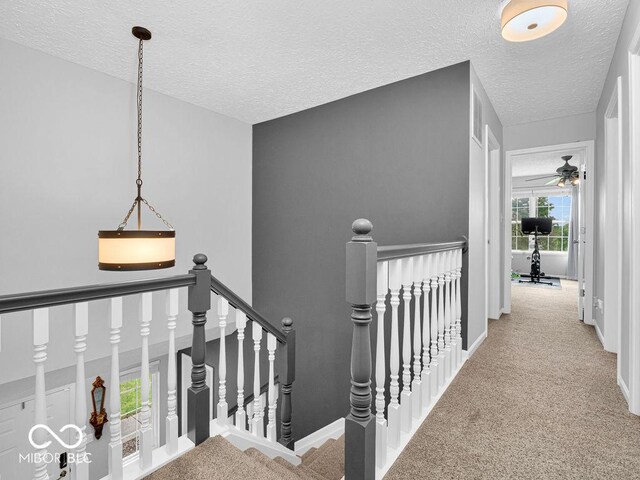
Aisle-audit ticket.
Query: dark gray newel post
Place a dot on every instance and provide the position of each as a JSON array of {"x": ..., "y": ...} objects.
[
  {"x": 287, "y": 373},
  {"x": 198, "y": 413},
  {"x": 361, "y": 294}
]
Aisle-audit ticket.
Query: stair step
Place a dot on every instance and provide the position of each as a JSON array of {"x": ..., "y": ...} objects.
[
  {"x": 308, "y": 453},
  {"x": 307, "y": 459},
  {"x": 284, "y": 471},
  {"x": 229, "y": 463},
  {"x": 301, "y": 471},
  {"x": 329, "y": 462}
]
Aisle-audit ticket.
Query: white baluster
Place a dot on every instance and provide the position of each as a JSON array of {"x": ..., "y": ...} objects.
[
  {"x": 405, "y": 393},
  {"x": 258, "y": 413},
  {"x": 447, "y": 314},
  {"x": 223, "y": 408},
  {"x": 452, "y": 310},
  {"x": 171, "y": 437},
  {"x": 416, "y": 386},
  {"x": 435, "y": 363},
  {"x": 81, "y": 311},
  {"x": 115, "y": 440},
  {"x": 146, "y": 429},
  {"x": 271, "y": 424},
  {"x": 441, "y": 355},
  {"x": 393, "y": 412},
  {"x": 426, "y": 337},
  {"x": 459, "y": 304},
  {"x": 381, "y": 423},
  {"x": 250, "y": 416},
  {"x": 40, "y": 341},
  {"x": 241, "y": 324}
]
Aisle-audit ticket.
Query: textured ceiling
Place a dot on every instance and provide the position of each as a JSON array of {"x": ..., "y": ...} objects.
[{"x": 257, "y": 60}]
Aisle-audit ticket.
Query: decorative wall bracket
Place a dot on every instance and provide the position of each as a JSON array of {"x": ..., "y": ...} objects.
[{"x": 99, "y": 414}]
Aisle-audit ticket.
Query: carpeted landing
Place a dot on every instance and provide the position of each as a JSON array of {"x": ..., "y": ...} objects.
[
  {"x": 538, "y": 400},
  {"x": 217, "y": 459}
]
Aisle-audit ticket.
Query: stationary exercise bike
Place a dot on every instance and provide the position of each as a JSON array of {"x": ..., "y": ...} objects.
[{"x": 536, "y": 227}]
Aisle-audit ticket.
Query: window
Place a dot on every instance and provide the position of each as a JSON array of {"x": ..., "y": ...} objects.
[
  {"x": 131, "y": 405},
  {"x": 557, "y": 207}
]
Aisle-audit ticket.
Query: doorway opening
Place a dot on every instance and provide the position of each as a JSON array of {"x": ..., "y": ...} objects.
[{"x": 551, "y": 182}]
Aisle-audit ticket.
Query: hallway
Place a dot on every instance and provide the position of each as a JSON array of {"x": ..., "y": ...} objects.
[{"x": 538, "y": 399}]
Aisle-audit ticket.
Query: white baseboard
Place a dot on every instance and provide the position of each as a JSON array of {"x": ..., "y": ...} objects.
[
  {"x": 599, "y": 333},
  {"x": 316, "y": 439},
  {"x": 623, "y": 388},
  {"x": 470, "y": 351}
]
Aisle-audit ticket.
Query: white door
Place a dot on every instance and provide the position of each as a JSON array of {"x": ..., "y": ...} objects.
[{"x": 15, "y": 422}]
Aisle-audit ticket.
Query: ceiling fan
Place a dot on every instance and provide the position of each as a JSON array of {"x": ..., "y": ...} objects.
[{"x": 565, "y": 174}]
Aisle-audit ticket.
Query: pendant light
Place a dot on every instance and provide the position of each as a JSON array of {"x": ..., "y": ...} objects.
[
  {"x": 525, "y": 20},
  {"x": 139, "y": 249}
]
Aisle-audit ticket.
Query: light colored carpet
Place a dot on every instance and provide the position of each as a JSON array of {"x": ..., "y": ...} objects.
[
  {"x": 538, "y": 400},
  {"x": 217, "y": 459}
]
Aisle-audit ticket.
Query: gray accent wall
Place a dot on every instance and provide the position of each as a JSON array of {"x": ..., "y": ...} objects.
[
  {"x": 397, "y": 155},
  {"x": 619, "y": 67}
]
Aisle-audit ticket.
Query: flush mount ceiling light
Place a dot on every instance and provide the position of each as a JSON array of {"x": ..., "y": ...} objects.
[
  {"x": 137, "y": 249},
  {"x": 524, "y": 20}
]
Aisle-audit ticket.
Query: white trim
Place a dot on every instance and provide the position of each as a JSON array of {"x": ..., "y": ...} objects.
[
  {"x": 493, "y": 243},
  {"x": 242, "y": 439},
  {"x": 506, "y": 274},
  {"x": 634, "y": 284},
  {"x": 599, "y": 333},
  {"x": 316, "y": 439},
  {"x": 613, "y": 232},
  {"x": 623, "y": 388},
  {"x": 588, "y": 151},
  {"x": 468, "y": 353}
]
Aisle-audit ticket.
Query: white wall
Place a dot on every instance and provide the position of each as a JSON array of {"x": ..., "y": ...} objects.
[
  {"x": 67, "y": 169},
  {"x": 554, "y": 131},
  {"x": 476, "y": 257},
  {"x": 553, "y": 264},
  {"x": 619, "y": 67}
]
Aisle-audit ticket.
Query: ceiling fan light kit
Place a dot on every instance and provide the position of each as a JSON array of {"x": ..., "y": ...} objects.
[
  {"x": 526, "y": 20},
  {"x": 125, "y": 250},
  {"x": 565, "y": 173}
]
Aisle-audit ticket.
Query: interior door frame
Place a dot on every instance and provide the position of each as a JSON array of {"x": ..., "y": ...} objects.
[
  {"x": 492, "y": 153},
  {"x": 613, "y": 233},
  {"x": 585, "y": 284},
  {"x": 634, "y": 157}
]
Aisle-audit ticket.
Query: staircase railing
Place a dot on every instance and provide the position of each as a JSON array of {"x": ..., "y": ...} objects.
[
  {"x": 431, "y": 352},
  {"x": 200, "y": 284}
]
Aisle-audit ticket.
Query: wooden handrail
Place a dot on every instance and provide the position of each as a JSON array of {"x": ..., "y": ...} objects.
[
  {"x": 238, "y": 303},
  {"x": 392, "y": 252},
  {"x": 65, "y": 296}
]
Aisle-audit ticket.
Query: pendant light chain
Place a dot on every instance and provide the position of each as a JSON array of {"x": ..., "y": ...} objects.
[
  {"x": 139, "y": 107},
  {"x": 139, "y": 198}
]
